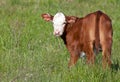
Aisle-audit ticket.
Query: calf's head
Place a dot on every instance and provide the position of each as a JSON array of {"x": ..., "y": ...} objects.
[{"x": 59, "y": 21}]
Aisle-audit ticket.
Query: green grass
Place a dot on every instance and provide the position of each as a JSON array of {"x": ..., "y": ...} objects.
[{"x": 30, "y": 53}]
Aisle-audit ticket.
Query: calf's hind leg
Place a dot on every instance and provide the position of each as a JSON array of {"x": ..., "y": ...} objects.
[
  {"x": 106, "y": 53},
  {"x": 90, "y": 53}
]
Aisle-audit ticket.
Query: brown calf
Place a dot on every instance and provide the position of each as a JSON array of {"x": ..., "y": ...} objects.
[{"x": 86, "y": 34}]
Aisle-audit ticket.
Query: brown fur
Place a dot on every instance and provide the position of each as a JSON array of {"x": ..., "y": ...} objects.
[{"x": 93, "y": 31}]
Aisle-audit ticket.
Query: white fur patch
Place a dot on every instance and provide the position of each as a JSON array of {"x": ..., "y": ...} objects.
[
  {"x": 59, "y": 24},
  {"x": 82, "y": 54}
]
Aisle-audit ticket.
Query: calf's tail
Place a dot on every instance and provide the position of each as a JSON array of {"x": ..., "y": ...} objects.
[{"x": 97, "y": 36}]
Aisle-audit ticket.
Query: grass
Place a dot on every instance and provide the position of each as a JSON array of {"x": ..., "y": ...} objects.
[{"x": 30, "y": 53}]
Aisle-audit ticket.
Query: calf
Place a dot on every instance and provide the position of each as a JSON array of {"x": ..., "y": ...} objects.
[{"x": 86, "y": 34}]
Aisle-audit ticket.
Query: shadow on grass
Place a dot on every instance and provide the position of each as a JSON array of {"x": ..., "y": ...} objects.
[{"x": 115, "y": 66}]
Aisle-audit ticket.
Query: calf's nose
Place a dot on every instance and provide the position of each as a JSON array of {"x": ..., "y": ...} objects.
[{"x": 56, "y": 33}]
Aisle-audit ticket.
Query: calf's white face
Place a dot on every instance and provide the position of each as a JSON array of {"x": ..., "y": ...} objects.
[{"x": 59, "y": 24}]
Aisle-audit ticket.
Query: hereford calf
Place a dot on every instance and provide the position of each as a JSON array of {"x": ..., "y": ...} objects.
[{"x": 92, "y": 32}]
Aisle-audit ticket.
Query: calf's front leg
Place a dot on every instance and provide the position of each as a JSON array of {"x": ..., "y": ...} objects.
[{"x": 73, "y": 59}]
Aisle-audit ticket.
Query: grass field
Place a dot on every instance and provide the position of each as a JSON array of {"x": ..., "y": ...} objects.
[{"x": 30, "y": 53}]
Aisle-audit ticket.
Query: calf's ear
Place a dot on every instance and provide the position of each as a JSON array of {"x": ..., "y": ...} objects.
[
  {"x": 71, "y": 19},
  {"x": 47, "y": 17}
]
